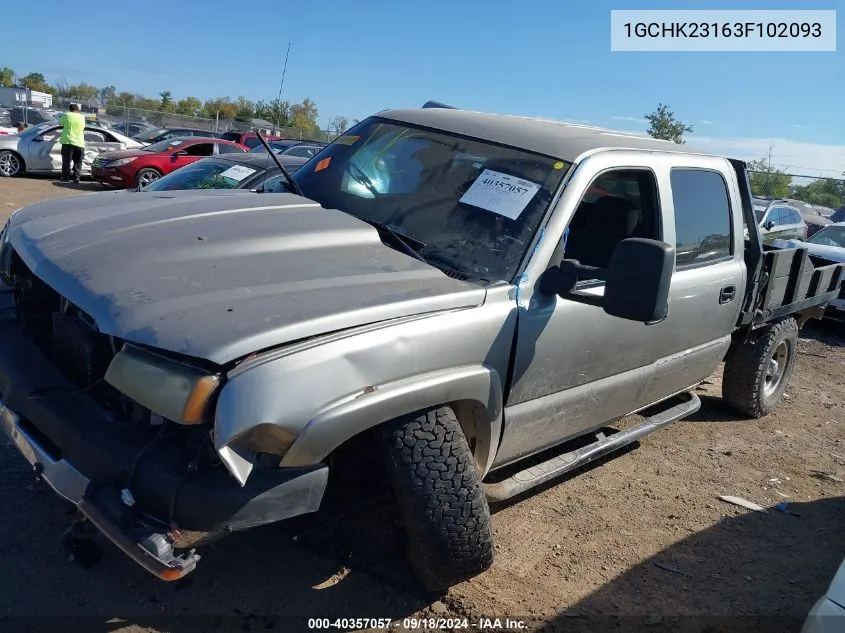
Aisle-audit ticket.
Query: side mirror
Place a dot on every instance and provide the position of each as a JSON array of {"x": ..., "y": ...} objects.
[
  {"x": 769, "y": 225},
  {"x": 636, "y": 280},
  {"x": 181, "y": 152}
]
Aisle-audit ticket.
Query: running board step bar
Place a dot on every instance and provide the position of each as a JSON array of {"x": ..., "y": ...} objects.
[{"x": 560, "y": 464}]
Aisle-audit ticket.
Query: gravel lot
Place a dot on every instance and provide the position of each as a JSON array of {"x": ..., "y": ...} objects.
[{"x": 641, "y": 541}]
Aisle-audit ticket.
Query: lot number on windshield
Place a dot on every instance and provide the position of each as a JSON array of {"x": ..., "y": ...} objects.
[{"x": 500, "y": 193}]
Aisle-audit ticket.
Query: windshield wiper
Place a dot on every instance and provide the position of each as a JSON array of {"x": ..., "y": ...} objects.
[
  {"x": 362, "y": 178},
  {"x": 404, "y": 241},
  {"x": 294, "y": 187}
]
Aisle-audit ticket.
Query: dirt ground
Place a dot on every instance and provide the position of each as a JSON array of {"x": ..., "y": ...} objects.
[{"x": 639, "y": 542}]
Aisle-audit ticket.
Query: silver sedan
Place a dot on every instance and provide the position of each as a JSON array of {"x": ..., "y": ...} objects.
[{"x": 37, "y": 149}]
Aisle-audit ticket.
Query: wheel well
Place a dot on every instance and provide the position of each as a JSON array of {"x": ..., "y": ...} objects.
[
  {"x": 468, "y": 412},
  {"x": 20, "y": 158}
]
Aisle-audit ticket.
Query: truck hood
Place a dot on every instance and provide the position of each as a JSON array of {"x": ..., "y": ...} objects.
[{"x": 218, "y": 275}]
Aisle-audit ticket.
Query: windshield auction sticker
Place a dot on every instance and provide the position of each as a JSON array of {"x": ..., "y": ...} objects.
[
  {"x": 500, "y": 193},
  {"x": 238, "y": 172}
]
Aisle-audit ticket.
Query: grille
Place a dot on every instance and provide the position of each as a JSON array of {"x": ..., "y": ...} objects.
[{"x": 62, "y": 331}]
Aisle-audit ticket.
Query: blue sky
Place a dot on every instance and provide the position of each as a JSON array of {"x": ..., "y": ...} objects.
[{"x": 548, "y": 58}]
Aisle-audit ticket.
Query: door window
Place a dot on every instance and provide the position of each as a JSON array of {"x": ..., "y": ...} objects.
[
  {"x": 200, "y": 149},
  {"x": 92, "y": 136},
  {"x": 302, "y": 152},
  {"x": 223, "y": 148},
  {"x": 50, "y": 136},
  {"x": 703, "y": 232},
  {"x": 618, "y": 204}
]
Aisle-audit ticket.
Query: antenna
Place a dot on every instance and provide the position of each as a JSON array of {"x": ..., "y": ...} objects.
[
  {"x": 282, "y": 84},
  {"x": 276, "y": 118}
]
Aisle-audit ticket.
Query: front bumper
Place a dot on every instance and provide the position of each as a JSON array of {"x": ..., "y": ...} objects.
[
  {"x": 113, "y": 177},
  {"x": 85, "y": 454}
]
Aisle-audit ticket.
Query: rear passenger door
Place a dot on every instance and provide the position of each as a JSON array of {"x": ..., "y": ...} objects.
[{"x": 706, "y": 291}]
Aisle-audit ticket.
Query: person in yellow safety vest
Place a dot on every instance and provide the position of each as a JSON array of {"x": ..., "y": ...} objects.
[{"x": 73, "y": 142}]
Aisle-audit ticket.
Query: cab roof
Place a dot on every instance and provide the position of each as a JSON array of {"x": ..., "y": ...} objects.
[{"x": 566, "y": 141}]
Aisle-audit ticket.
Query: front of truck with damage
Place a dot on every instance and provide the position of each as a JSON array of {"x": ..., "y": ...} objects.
[{"x": 180, "y": 365}]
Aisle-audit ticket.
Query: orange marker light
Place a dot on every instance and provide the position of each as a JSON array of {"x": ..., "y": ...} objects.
[
  {"x": 170, "y": 574},
  {"x": 195, "y": 407},
  {"x": 323, "y": 164}
]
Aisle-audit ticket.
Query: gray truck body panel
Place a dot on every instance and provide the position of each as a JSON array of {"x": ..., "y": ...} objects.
[{"x": 320, "y": 331}]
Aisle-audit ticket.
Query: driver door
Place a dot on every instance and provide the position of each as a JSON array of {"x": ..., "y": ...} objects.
[{"x": 45, "y": 151}]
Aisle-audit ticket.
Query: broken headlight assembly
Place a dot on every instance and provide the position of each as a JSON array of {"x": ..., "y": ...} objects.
[{"x": 176, "y": 391}]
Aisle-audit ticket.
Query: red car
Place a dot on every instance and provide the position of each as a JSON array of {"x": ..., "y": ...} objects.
[{"x": 140, "y": 167}]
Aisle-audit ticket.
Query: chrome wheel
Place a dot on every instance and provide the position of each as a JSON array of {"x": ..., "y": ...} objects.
[
  {"x": 147, "y": 177},
  {"x": 776, "y": 368},
  {"x": 10, "y": 164}
]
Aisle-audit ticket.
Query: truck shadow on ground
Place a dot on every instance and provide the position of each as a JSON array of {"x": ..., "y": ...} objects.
[
  {"x": 258, "y": 580},
  {"x": 750, "y": 572}
]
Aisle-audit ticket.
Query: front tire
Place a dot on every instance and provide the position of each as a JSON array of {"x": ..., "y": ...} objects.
[
  {"x": 11, "y": 164},
  {"x": 757, "y": 372},
  {"x": 440, "y": 498},
  {"x": 146, "y": 176}
]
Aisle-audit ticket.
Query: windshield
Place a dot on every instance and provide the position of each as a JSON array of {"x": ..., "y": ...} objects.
[
  {"x": 276, "y": 146},
  {"x": 150, "y": 134},
  {"x": 471, "y": 205},
  {"x": 163, "y": 146},
  {"x": 208, "y": 173},
  {"x": 829, "y": 236}
]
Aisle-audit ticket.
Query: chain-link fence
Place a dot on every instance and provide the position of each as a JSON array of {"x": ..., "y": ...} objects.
[
  {"x": 116, "y": 113},
  {"x": 819, "y": 193}
]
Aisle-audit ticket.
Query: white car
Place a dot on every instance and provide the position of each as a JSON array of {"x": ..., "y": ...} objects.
[
  {"x": 827, "y": 242},
  {"x": 37, "y": 149},
  {"x": 828, "y": 614}
]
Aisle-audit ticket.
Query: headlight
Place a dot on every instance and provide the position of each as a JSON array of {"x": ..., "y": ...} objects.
[
  {"x": 120, "y": 162},
  {"x": 173, "y": 390}
]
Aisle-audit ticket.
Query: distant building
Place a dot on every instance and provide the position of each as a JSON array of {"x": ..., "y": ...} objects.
[
  {"x": 10, "y": 97},
  {"x": 262, "y": 125}
]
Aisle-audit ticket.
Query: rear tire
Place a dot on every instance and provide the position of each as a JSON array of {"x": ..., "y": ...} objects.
[
  {"x": 757, "y": 372},
  {"x": 440, "y": 498},
  {"x": 11, "y": 164},
  {"x": 146, "y": 175}
]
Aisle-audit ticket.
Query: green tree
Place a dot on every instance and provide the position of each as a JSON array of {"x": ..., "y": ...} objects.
[
  {"x": 7, "y": 77},
  {"x": 339, "y": 124},
  {"x": 664, "y": 125},
  {"x": 35, "y": 81},
  {"x": 84, "y": 93},
  {"x": 304, "y": 115},
  {"x": 190, "y": 106},
  {"x": 245, "y": 109},
  {"x": 108, "y": 94},
  {"x": 826, "y": 192},
  {"x": 126, "y": 98},
  {"x": 766, "y": 179},
  {"x": 146, "y": 103},
  {"x": 276, "y": 111},
  {"x": 220, "y": 106},
  {"x": 166, "y": 103}
]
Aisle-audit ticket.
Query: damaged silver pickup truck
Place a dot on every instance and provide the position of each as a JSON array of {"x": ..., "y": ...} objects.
[{"x": 465, "y": 291}]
